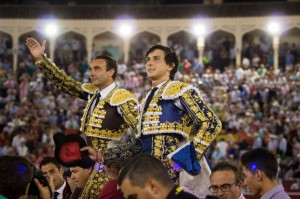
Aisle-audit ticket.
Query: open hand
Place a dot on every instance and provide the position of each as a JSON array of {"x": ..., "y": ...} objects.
[{"x": 36, "y": 49}]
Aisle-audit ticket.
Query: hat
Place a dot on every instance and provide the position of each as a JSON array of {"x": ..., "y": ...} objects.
[{"x": 67, "y": 151}]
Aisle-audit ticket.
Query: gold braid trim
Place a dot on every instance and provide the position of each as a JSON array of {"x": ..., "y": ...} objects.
[
  {"x": 129, "y": 114},
  {"x": 209, "y": 125},
  {"x": 95, "y": 184},
  {"x": 122, "y": 96},
  {"x": 175, "y": 89},
  {"x": 105, "y": 133},
  {"x": 85, "y": 115},
  {"x": 90, "y": 88}
]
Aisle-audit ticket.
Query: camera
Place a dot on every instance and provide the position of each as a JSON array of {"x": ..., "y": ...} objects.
[{"x": 33, "y": 189}]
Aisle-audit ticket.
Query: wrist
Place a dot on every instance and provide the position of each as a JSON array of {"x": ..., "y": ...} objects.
[
  {"x": 99, "y": 156},
  {"x": 39, "y": 59}
]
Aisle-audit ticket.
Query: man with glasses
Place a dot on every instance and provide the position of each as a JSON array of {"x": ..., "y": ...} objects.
[{"x": 226, "y": 181}]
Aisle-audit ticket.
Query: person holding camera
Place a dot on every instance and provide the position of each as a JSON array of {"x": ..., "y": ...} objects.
[
  {"x": 17, "y": 180},
  {"x": 53, "y": 170}
]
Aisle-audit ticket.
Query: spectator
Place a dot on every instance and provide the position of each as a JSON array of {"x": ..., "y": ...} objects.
[
  {"x": 52, "y": 169},
  {"x": 260, "y": 169},
  {"x": 110, "y": 189},
  {"x": 257, "y": 141},
  {"x": 145, "y": 176},
  {"x": 85, "y": 173},
  {"x": 16, "y": 173},
  {"x": 226, "y": 181}
]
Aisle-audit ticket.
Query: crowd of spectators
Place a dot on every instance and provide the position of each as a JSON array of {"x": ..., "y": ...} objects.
[{"x": 257, "y": 105}]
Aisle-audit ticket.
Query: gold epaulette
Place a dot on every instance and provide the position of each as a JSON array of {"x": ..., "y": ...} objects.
[
  {"x": 90, "y": 88},
  {"x": 175, "y": 89},
  {"x": 121, "y": 96}
]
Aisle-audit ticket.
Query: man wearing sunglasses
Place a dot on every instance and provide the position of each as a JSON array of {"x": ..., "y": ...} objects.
[{"x": 226, "y": 181}]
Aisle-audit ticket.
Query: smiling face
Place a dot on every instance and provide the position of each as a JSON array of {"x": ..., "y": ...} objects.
[
  {"x": 100, "y": 76},
  {"x": 157, "y": 69},
  {"x": 227, "y": 180}
]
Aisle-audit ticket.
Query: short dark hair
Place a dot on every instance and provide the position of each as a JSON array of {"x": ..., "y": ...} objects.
[
  {"x": 48, "y": 159},
  {"x": 227, "y": 166},
  {"x": 171, "y": 57},
  {"x": 111, "y": 63},
  {"x": 262, "y": 159},
  {"x": 15, "y": 175},
  {"x": 142, "y": 167}
]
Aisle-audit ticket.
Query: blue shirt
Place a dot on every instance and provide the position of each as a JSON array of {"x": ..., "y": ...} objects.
[{"x": 276, "y": 193}]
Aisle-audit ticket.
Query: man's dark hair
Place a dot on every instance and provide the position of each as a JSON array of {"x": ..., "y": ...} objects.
[
  {"x": 171, "y": 57},
  {"x": 142, "y": 167},
  {"x": 227, "y": 166},
  {"x": 15, "y": 175},
  {"x": 48, "y": 159},
  {"x": 262, "y": 159},
  {"x": 111, "y": 63}
]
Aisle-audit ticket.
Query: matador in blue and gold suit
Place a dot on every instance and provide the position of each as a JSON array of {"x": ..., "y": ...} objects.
[
  {"x": 107, "y": 120},
  {"x": 175, "y": 112}
]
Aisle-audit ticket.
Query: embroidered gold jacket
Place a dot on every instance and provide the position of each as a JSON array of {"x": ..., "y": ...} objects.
[
  {"x": 167, "y": 124},
  {"x": 95, "y": 184},
  {"x": 164, "y": 117},
  {"x": 105, "y": 123}
]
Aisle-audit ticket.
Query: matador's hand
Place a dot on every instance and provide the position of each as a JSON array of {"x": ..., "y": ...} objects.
[
  {"x": 93, "y": 153},
  {"x": 36, "y": 49}
]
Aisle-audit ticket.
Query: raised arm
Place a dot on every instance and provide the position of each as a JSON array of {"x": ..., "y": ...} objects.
[
  {"x": 36, "y": 49},
  {"x": 57, "y": 76}
]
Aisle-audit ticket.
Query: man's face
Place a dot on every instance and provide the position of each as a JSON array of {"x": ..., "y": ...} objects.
[
  {"x": 80, "y": 176},
  {"x": 251, "y": 182},
  {"x": 227, "y": 181},
  {"x": 156, "y": 67},
  {"x": 57, "y": 174},
  {"x": 100, "y": 77},
  {"x": 134, "y": 192}
]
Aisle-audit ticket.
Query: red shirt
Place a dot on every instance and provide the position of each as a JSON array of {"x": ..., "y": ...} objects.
[{"x": 110, "y": 191}]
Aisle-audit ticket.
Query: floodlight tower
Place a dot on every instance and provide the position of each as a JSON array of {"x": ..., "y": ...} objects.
[
  {"x": 274, "y": 29},
  {"x": 125, "y": 32},
  {"x": 51, "y": 30},
  {"x": 199, "y": 30}
]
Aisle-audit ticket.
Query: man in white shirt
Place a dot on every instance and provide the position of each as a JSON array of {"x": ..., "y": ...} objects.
[
  {"x": 226, "y": 181},
  {"x": 52, "y": 169}
]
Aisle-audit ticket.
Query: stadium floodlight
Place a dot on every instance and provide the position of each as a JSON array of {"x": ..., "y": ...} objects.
[
  {"x": 125, "y": 30},
  {"x": 199, "y": 30},
  {"x": 273, "y": 28},
  {"x": 51, "y": 30}
]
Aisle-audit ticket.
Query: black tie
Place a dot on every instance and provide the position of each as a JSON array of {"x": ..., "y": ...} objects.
[
  {"x": 149, "y": 99},
  {"x": 56, "y": 194},
  {"x": 98, "y": 96}
]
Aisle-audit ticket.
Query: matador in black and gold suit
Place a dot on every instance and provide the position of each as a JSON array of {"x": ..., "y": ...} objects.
[
  {"x": 170, "y": 114},
  {"x": 107, "y": 120}
]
